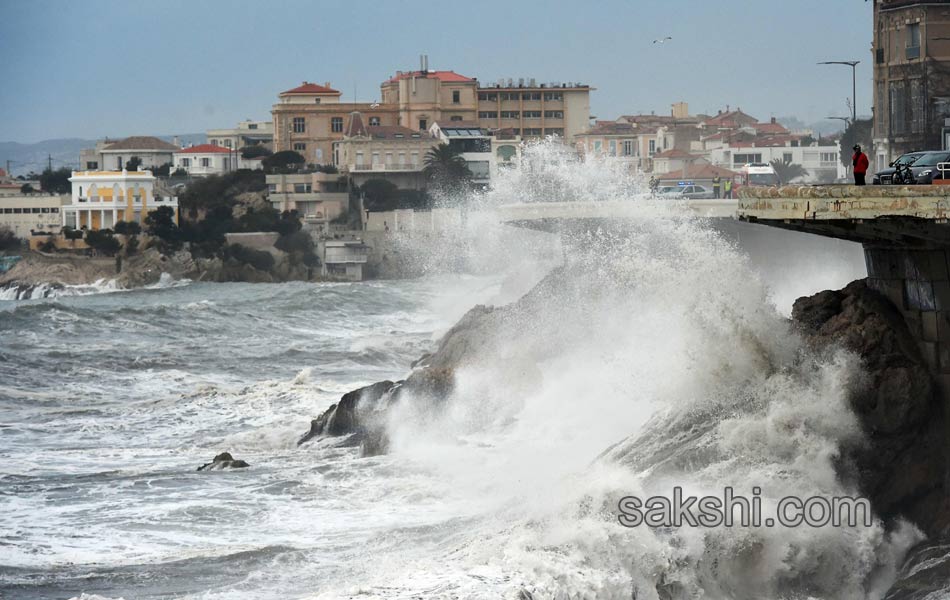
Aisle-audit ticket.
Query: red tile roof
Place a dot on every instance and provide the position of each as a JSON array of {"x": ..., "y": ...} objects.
[
  {"x": 311, "y": 88},
  {"x": 771, "y": 128},
  {"x": 696, "y": 171},
  {"x": 205, "y": 149},
  {"x": 444, "y": 76},
  {"x": 675, "y": 153}
]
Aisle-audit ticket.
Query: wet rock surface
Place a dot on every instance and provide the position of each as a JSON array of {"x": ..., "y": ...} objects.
[
  {"x": 925, "y": 573},
  {"x": 223, "y": 461},
  {"x": 902, "y": 466}
]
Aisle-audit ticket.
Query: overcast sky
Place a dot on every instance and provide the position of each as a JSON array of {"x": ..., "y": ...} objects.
[{"x": 101, "y": 67}]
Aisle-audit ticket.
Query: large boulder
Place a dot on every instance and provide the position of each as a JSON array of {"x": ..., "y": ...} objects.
[
  {"x": 902, "y": 466},
  {"x": 223, "y": 461},
  {"x": 925, "y": 573}
]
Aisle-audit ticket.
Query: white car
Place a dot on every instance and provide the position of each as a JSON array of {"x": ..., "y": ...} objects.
[{"x": 690, "y": 192}]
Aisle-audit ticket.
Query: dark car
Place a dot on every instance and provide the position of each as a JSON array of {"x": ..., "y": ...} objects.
[
  {"x": 925, "y": 167},
  {"x": 886, "y": 176}
]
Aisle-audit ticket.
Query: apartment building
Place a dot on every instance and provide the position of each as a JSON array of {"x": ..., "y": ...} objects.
[
  {"x": 393, "y": 152},
  {"x": 472, "y": 144},
  {"x": 911, "y": 51},
  {"x": 247, "y": 133},
  {"x": 534, "y": 110},
  {"x": 309, "y": 118},
  {"x": 317, "y": 197},
  {"x": 424, "y": 97}
]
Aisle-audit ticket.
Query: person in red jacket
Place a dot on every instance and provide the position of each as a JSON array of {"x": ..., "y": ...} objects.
[{"x": 860, "y": 161}]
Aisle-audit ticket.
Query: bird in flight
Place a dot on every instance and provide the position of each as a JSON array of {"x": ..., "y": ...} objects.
[{"x": 662, "y": 41}]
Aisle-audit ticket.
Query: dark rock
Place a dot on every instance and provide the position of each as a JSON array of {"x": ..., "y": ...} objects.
[
  {"x": 223, "y": 461},
  {"x": 925, "y": 573},
  {"x": 348, "y": 415},
  {"x": 901, "y": 468}
]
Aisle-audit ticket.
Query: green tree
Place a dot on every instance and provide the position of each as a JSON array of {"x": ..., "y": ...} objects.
[
  {"x": 283, "y": 160},
  {"x": 56, "y": 182},
  {"x": 858, "y": 132},
  {"x": 26, "y": 189},
  {"x": 255, "y": 151},
  {"x": 72, "y": 234},
  {"x": 161, "y": 224},
  {"x": 102, "y": 241},
  {"x": 447, "y": 171},
  {"x": 161, "y": 171},
  {"x": 379, "y": 194},
  {"x": 259, "y": 259},
  {"x": 787, "y": 170},
  {"x": 133, "y": 163},
  {"x": 128, "y": 228}
]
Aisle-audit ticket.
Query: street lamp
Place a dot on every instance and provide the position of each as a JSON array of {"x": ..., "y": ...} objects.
[{"x": 854, "y": 85}]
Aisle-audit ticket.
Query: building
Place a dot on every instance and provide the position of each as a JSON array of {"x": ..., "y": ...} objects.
[
  {"x": 206, "y": 159},
  {"x": 310, "y": 117},
  {"x": 534, "y": 110},
  {"x": 390, "y": 152},
  {"x": 317, "y": 197},
  {"x": 911, "y": 52},
  {"x": 115, "y": 154},
  {"x": 343, "y": 259},
  {"x": 28, "y": 213},
  {"x": 629, "y": 142},
  {"x": 100, "y": 199},
  {"x": 699, "y": 173},
  {"x": 472, "y": 144},
  {"x": 424, "y": 97},
  {"x": 506, "y": 148},
  {"x": 247, "y": 133}
]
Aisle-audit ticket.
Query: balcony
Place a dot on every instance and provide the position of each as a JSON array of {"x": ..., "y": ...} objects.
[{"x": 383, "y": 167}]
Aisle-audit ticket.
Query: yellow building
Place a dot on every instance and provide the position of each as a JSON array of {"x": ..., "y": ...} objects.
[
  {"x": 534, "y": 110},
  {"x": 100, "y": 199}
]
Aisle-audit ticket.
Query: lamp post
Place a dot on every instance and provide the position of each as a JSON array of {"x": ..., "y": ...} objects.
[{"x": 854, "y": 83}]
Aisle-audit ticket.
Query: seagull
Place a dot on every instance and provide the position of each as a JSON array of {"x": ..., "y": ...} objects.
[
  {"x": 662, "y": 41},
  {"x": 374, "y": 105}
]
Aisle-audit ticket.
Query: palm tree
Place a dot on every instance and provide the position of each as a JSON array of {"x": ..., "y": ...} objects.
[
  {"x": 787, "y": 170},
  {"x": 446, "y": 170}
]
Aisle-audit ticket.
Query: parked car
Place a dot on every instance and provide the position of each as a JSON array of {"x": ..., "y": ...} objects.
[
  {"x": 884, "y": 177},
  {"x": 925, "y": 167},
  {"x": 690, "y": 192}
]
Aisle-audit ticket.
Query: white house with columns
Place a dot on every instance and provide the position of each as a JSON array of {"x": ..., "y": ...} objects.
[{"x": 100, "y": 199}]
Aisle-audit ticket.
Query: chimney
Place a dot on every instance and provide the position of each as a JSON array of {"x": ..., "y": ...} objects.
[
  {"x": 176, "y": 142},
  {"x": 773, "y": 120},
  {"x": 326, "y": 84}
]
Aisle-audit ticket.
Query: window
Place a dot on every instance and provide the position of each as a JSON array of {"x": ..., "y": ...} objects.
[
  {"x": 336, "y": 124},
  {"x": 302, "y": 188},
  {"x": 510, "y": 96},
  {"x": 299, "y": 125},
  {"x": 54, "y": 209},
  {"x": 92, "y": 165},
  {"x": 787, "y": 157},
  {"x": 402, "y": 158},
  {"x": 532, "y": 114},
  {"x": 612, "y": 144},
  {"x": 45, "y": 210},
  {"x": 205, "y": 162},
  {"x": 598, "y": 146},
  {"x": 456, "y": 97},
  {"x": 17, "y": 211},
  {"x": 186, "y": 162},
  {"x": 554, "y": 114},
  {"x": 829, "y": 157},
  {"x": 252, "y": 126},
  {"x": 554, "y": 131},
  {"x": 531, "y": 131},
  {"x": 374, "y": 121},
  {"x": 652, "y": 147},
  {"x": 510, "y": 114},
  {"x": 272, "y": 187},
  {"x": 553, "y": 96},
  {"x": 214, "y": 142},
  {"x": 488, "y": 114},
  {"x": 35, "y": 211},
  {"x": 389, "y": 158},
  {"x": 487, "y": 96},
  {"x": 415, "y": 158},
  {"x": 628, "y": 147},
  {"x": 375, "y": 158},
  {"x": 227, "y": 143},
  {"x": 359, "y": 158},
  {"x": 531, "y": 96},
  {"x": 742, "y": 159},
  {"x": 455, "y": 118},
  {"x": 118, "y": 163},
  {"x": 300, "y": 147},
  {"x": 913, "y": 41},
  {"x": 423, "y": 124}
]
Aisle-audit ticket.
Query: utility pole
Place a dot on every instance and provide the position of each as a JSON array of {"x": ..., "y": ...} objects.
[{"x": 49, "y": 158}]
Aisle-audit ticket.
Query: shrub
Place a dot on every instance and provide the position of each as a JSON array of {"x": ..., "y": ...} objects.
[
  {"x": 297, "y": 241},
  {"x": 255, "y": 151},
  {"x": 103, "y": 241},
  {"x": 8, "y": 239},
  {"x": 128, "y": 228}
]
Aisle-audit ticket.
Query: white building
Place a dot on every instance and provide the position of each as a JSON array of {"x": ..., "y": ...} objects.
[
  {"x": 100, "y": 199},
  {"x": 25, "y": 213},
  {"x": 823, "y": 163},
  {"x": 472, "y": 143},
  {"x": 247, "y": 133},
  {"x": 344, "y": 259},
  {"x": 209, "y": 159},
  {"x": 115, "y": 154}
]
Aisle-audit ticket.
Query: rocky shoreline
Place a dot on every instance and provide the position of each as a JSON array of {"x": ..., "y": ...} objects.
[
  {"x": 901, "y": 466},
  {"x": 39, "y": 275}
]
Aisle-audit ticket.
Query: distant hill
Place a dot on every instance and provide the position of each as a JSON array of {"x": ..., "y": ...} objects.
[{"x": 64, "y": 152}]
